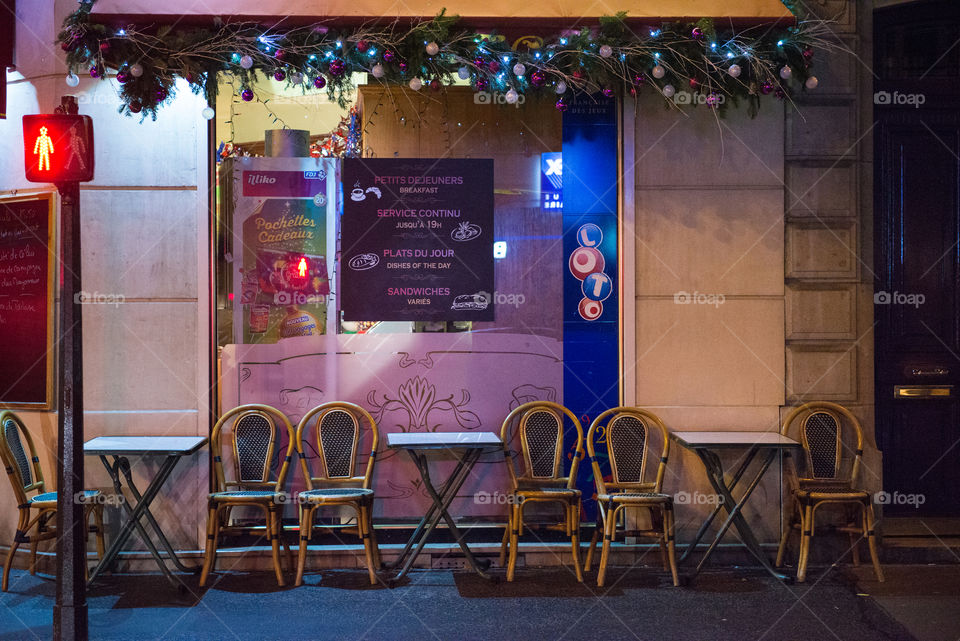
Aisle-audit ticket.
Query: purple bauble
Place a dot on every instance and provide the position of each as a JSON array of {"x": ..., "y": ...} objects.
[
  {"x": 104, "y": 46},
  {"x": 561, "y": 105},
  {"x": 537, "y": 78},
  {"x": 280, "y": 54},
  {"x": 135, "y": 106},
  {"x": 713, "y": 99},
  {"x": 161, "y": 94},
  {"x": 362, "y": 45},
  {"x": 123, "y": 77},
  {"x": 435, "y": 84},
  {"x": 608, "y": 92},
  {"x": 808, "y": 54},
  {"x": 697, "y": 33},
  {"x": 319, "y": 82},
  {"x": 639, "y": 80},
  {"x": 402, "y": 66},
  {"x": 95, "y": 71},
  {"x": 766, "y": 88},
  {"x": 246, "y": 95},
  {"x": 780, "y": 93},
  {"x": 478, "y": 61},
  {"x": 336, "y": 67},
  {"x": 481, "y": 84},
  {"x": 279, "y": 75},
  {"x": 493, "y": 66},
  {"x": 387, "y": 56}
]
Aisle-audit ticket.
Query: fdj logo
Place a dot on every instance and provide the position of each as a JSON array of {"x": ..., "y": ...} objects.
[
  {"x": 319, "y": 174},
  {"x": 555, "y": 167},
  {"x": 597, "y": 286},
  {"x": 589, "y": 235}
]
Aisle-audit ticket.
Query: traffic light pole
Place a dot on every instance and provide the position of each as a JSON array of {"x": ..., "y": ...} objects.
[{"x": 70, "y": 610}]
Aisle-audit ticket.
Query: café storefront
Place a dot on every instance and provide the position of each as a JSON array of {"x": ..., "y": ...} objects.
[{"x": 442, "y": 255}]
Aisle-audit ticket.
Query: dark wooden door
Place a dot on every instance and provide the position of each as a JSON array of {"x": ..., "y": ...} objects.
[{"x": 917, "y": 260}]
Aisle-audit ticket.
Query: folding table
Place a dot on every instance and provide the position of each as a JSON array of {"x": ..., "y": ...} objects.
[
  {"x": 118, "y": 448},
  {"x": 467, "y": 447},
  {"x": 706, "y": 446}
]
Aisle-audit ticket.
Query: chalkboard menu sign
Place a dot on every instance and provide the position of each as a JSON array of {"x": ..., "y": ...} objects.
[
  {"x": 26, "y": 301},
  {"x": 417, "y": 239}
]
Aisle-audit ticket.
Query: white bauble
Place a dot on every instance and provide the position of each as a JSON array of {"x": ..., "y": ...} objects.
[
  {"x": 561, "y": 87},
  {"x": 606, "y": 51},
  {"x": 136, "y": 70},
  {"x": 669, "y": 91},
  {"x": 519, "y": 69},
  {"x": 786, "y": 72},
  {"x": 72, "y": 79},
  {"x": 208, "y": 113},
  {"x": 377, "y": 70},
  {"x": 659, "y": 72},
  {"x": 734, "y": 71},
  {"x": 433, "y": 48},
  {"x": 511, "y": 97},
  {"x": 812, "y": 82},
  {"x": 415, "y": 84},
  {"x": 463, "y": 73}
]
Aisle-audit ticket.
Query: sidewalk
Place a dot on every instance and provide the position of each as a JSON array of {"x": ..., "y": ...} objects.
[{"x": 741, "y": 604}]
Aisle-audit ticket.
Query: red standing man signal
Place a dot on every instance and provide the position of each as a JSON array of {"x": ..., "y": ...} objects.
[{"x": 58, "y": 148}]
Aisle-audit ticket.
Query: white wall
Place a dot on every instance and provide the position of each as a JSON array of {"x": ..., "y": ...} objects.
[{"x": 144, "y": 231}]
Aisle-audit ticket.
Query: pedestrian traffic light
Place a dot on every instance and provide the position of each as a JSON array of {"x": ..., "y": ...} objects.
[{"x": 58, "y": 148}]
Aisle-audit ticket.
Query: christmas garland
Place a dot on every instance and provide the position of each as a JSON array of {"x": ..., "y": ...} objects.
[{"x": 689, "y": 63}]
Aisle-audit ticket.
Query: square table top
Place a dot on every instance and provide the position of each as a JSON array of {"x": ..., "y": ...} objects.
[
  {"x": 143, "y": 445},
  {"x": 443, "y": 440},
  {"x": 736, "y": 438}
]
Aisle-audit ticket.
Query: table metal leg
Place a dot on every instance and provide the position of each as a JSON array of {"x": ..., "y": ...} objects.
[
  {"x": 734, "y": 514},
  {"x": 451, "y": 525},
  {"x": 716, "y": 510},
  {"x": 440, "y": 502},
  {"x": 172, "y": 460},
  {"x": 432, "y": 517},
  {"x": 135, "y": 513}
]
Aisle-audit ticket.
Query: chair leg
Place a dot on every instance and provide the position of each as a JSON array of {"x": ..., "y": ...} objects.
[
  {"x": 609, "y": 528},
  {"x": 781, "y": 550},
  {"x": 505, "y": 541},
  {"x": 7, "y": 564},
  {"x": 515, "y": 519},
  {"x": 669, "y": 527},
  {"x": 33, "y": 556},
  {"x": 593, "y": 544},
  {"x": 211, "y": 547},
  {"x": 377, "y": 560},
  {"x": 870, "y": 524},
  {"x": 363, "y": 524},
  {"x": 573, "y": 524},
  {"x": 273, "y": 530},
  {"x": 806, "y": 534},
  {"x": 306, "y": 520}
]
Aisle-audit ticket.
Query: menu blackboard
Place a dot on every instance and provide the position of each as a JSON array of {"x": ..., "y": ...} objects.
[
  {"x": 417, "y": 239},
  {"x": 26, "y": 301}
]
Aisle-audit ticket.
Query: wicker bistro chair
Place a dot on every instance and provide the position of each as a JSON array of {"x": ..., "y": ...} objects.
[
  {"x": 539, "y": 427},
  {"x": 337, "y": 437},
  {"x": 628, "y": 438},
  {"x": 829, "y": 477},
  {"x": 19, "y": 457},
  {"x": 253, "y": 440}
]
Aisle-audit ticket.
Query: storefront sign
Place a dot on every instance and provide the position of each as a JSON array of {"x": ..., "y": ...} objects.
[
  {"x": 417, "y": 240},
  {"x": 280, "y": 238},
  {"x": 26, "y": 301}
]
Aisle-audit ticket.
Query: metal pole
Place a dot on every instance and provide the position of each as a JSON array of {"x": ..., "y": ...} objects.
[{"x": 70, "y": 610}]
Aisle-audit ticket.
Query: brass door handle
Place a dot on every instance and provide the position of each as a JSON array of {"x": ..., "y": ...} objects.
[{"x": 922, "y": 391}]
